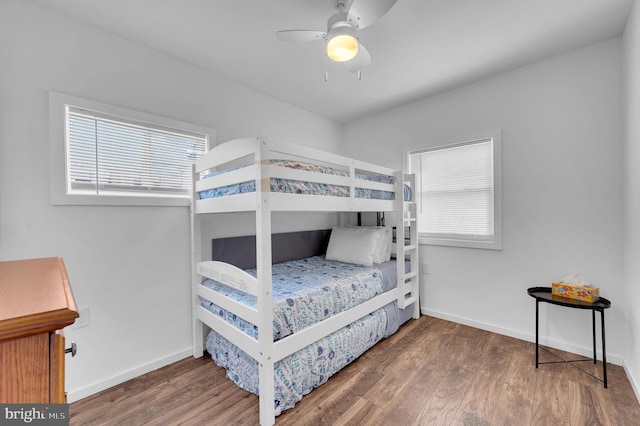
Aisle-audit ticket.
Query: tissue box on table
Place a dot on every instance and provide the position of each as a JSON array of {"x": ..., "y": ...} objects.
[{"x": 578, "y": 292}]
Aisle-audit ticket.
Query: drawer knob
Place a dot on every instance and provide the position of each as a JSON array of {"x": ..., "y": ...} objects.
[{"x": 72, "y": 350}]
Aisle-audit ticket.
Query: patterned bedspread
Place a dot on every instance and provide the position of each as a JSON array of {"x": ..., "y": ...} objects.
[
  {"x": 299, "y": 373},
  {"x": 305, "y": 292},
  {"x": 300, "y": 187}
]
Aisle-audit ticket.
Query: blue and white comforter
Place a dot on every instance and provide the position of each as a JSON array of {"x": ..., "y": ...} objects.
[
  {"x": 301, "y": 187},
  {"x": 305, "y": 292},
  {"x": 301, "y": 372}
]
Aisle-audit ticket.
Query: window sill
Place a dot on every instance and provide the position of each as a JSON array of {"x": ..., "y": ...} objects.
[
  {"x": 114, "y": 200},
  {"x": 494, "y": 245}
]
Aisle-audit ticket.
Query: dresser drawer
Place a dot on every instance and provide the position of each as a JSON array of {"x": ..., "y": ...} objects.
[{"x": 37, "y": 305}]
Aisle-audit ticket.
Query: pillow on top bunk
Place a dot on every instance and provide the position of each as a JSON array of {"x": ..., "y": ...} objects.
[{"x": 356, "y": 245}]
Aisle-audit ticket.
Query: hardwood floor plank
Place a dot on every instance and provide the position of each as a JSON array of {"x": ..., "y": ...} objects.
[
  {"x": 487, "y": 386},
  {"x": 391, "y": 385},
  {"x": 447, "y": 396},
  {"x": 551, "y": 400},
  {"x": 362, "y": 413},
  {"x": 481, "y": 398},
  {"x": 514, "y": 404},
  {"x": 432, "y": 372},
  {"x": 326, "y": 404},
  {"x": 406, "y": 406},
  {"x": 621, "y": 405},
  {"x": 586, "y": 404}
]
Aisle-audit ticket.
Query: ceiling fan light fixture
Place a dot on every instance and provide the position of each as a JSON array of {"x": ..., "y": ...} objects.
[
  {"x": 341, "y": 36},
  {"x": 342, "y": 45}
]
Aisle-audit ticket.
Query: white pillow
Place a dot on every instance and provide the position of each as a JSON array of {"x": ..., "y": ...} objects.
[
  {"x": 388, "y": 239},
  {"x": 383, "y": 248},
  {"x": 353, "y": 244}
]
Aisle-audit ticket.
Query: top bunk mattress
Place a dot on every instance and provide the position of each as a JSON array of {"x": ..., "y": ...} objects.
[{"x": 292, "y": 186}]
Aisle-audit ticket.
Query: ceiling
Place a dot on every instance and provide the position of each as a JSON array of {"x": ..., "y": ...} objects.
[{"x": 419, "y": 48}]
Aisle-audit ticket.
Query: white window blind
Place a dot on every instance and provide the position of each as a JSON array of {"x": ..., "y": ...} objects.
[
  {"x": 109, "y": 155},
  {"x": 456, "y": 194}
]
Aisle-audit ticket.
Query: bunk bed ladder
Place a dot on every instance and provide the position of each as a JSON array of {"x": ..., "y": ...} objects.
[{"x": 407, "y": 248}]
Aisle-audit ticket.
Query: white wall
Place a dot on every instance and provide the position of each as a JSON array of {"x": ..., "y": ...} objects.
[
  {"x": 562, "y": 197},
  {"x": 631, "y": 185},
  {"x": 130, "y": 265}
]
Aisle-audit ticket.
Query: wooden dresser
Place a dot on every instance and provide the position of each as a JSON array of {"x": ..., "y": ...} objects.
[{"x": 36, "y": 303}]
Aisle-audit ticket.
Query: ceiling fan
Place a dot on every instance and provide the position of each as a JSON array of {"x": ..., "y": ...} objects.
[{"x": 341, "y": 35}]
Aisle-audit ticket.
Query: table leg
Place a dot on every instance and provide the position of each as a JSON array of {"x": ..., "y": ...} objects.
[
  {"x": 537, "y": 303},
  {"x": 593, "y": 322},
  {"x": 604, "y": 352}
]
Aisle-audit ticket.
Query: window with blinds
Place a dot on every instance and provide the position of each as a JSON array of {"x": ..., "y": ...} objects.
[
  {"x": 458, "y": 193},
  {"x": 109, "y": 155}
]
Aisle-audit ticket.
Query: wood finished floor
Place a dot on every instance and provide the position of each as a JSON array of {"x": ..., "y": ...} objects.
[{"x": 432, "y": 372}]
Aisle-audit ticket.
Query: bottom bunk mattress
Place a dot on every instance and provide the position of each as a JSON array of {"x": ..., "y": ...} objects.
[
  {"x": 299, "y": 373},
  {"x": 306, "y": 292}
]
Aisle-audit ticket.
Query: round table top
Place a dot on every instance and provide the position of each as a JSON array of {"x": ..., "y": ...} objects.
[{"x": 544, "y": 294}]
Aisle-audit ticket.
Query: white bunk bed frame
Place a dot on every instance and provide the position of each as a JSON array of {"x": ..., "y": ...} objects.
[{"x": 263, "y": 202}]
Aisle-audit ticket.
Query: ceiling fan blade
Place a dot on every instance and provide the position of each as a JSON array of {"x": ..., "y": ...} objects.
[
  {"x": 360, "y": 61},
  {"x": 365, "y": 12},
  {"x": 300, "y": 35}
]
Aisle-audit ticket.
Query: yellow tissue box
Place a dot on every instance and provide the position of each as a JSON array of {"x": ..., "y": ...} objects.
[{"x": 586, "y": 294}]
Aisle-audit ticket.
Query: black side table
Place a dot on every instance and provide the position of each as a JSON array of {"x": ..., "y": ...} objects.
[{"x": 543, "y": 294}]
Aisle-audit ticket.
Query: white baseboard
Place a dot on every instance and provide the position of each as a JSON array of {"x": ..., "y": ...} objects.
[
  {"x": 634, "y": 385},
  {"x": 563, "y": 346},
  {"x": 74, "y": 395}
]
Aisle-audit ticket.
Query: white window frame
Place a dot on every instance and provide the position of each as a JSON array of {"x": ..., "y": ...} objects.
[
  {"x": 496, "y": 136},
  {"x": 58, "y": 152}
]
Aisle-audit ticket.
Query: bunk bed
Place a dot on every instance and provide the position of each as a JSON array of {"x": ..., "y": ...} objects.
[{"x": 247, "y": 318}]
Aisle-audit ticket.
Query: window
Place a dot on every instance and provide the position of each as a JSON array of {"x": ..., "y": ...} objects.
[
  {"x": 103, "y": 154},
  {"x": 459, "y": 192}
]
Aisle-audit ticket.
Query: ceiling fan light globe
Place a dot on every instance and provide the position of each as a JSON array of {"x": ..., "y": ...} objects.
[{"x": 343, "y": 47}]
